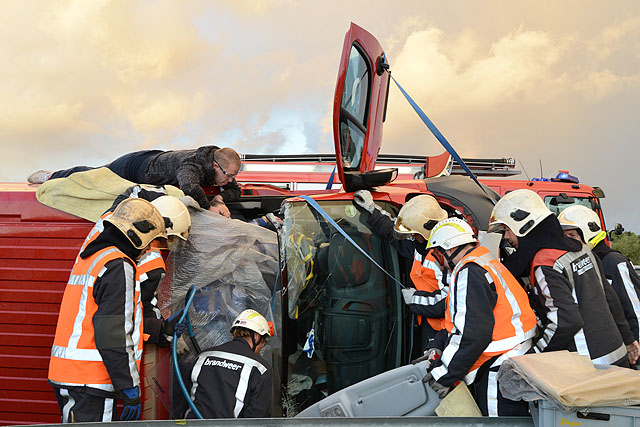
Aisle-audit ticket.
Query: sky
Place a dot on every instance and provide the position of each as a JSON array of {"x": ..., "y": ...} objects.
[{"x": 548, "y": 82}]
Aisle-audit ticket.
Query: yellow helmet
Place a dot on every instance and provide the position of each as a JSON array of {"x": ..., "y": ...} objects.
[
  {"x": 521, "y": 210},
  {"x": 139, "y": 220},
  {"x": 418, "y": 216}
]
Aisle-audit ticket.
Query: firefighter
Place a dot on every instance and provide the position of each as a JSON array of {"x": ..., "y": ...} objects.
[
  {"x": 488, "y": 318},
  {"x": 408, "y": 234},
  {"x": 583, "y": 224},
  {"x": 566, "y": 290},
  {"x": 150, "y": 265},
  {"x": 96, "y": 353},
  {"x": 232, "y": 380}
]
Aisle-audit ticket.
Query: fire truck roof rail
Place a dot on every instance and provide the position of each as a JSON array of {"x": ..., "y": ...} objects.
[{"x": 497, "y": 167}]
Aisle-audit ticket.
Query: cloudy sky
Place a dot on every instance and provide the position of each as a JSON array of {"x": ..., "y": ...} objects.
[{"x": 83, "y": 82}]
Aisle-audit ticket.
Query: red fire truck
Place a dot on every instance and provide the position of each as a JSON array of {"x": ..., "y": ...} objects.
[{"x": 361, "y": 324}]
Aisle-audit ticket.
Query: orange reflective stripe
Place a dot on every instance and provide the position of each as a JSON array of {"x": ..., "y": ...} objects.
[
  {"x": 151, "y": 260},
  {"x": 514, "y": 320},
  {"x": 426, "y": 276}
]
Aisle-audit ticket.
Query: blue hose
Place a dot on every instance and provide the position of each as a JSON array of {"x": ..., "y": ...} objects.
[{"x": 174, "y": 351}]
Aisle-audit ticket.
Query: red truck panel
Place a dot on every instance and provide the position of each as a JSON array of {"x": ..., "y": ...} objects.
[{"x": 38, "y": 246}]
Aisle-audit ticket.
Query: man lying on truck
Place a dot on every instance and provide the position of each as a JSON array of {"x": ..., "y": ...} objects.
[
  {"x": 97, "y": 348},
  {"x": 189, "y": 169},
  {"x": 409, "y": 234},
  {"x": 566, "y": 292},
  {"x": 581, "y": 223},
  {"x": 488, "y": 319}
]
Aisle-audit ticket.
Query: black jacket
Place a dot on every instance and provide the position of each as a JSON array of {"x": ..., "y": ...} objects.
[
  {"x": 625, "y": 282},
  {"x": 571, "y": 304},
  {"x": 190, "y": 170},
  {"x": 230, "y": 381}
]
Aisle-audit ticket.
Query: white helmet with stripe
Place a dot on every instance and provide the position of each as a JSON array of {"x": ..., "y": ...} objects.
[
  {"x": 451, "y": 233},
  {"x": 585, "y": 220},
  {"x": 252, "y": 320}
]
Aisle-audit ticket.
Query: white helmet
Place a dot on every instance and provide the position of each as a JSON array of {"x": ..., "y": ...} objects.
[
  {"x": 451, "y": 233},
  {"x": 172, "y": 208},
  {"x": 252, "y": 320},
  {"x": 520, "y": 210},
  {"x": 139, "y": 220},
  {"x": 585, "y": 220},
  {"x": 418, "y": 216}
]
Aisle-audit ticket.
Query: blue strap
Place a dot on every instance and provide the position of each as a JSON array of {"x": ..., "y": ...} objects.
[
  {"x": 434, "y": 130},
  {"x": 330, "y": 220},
  {"x": 331, "y": 178}
]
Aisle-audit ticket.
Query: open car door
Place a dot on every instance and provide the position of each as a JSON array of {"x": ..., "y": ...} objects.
[{"x": 359, "y": 109}]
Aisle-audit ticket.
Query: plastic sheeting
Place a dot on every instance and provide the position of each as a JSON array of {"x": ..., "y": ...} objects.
[
  {"x": 234, "y": 266},
  {"x": 568, "y": 380}
]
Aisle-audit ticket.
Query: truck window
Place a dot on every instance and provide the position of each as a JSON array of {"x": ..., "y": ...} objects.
[
  {"x": 557, "y": 203},
  {"x": 353, "y": 111},
  {"x": 353, "y": 308}
]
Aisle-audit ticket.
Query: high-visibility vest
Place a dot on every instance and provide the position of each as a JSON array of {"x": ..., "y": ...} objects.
[
  {"x": 514, "y": 319},
  {"x": 426, "y": 276},
  {"x": 75, "y": 360}
]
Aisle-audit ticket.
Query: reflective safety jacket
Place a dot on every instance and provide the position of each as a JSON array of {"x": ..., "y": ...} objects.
[
  {"x": 431, "y": 290},
  {"x": 230, "y": 381},
  {"x": 98, "y": 336},
  {"x": 488, "y": 318},
  {"x": 150, "y": 267},
  {"x": 571, "y": 304}
]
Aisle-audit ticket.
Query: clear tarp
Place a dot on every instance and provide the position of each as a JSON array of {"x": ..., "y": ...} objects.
[{"x": 233, "y": 266}]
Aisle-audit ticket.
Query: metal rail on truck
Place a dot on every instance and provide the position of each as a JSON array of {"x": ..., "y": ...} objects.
[{"x": 499, "y": 167}]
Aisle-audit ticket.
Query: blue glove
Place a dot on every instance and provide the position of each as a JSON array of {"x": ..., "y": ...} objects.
[
  {"x": 131, "y": 399},
  {"x": 171, "y": 325}
]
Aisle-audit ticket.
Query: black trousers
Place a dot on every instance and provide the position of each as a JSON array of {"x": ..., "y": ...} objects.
[
  {"x": 131, "y": 166},
  {"x": 490, "y": 400},
  {"x": 80, "y": 407}
]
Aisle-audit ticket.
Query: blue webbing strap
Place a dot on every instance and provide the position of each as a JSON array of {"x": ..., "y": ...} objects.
[
  {"x": 434, "y": 130},
  {"x": 330, "y": 220}
]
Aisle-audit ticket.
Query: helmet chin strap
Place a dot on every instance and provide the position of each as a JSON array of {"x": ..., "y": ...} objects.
[
  {"x": 255, "y": 344},
  {"x": 455, "y": 253}
]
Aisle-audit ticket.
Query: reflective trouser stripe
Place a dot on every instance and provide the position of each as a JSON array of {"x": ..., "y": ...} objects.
[
  {"x": 67, "y": 406},
  {"x": 107, "y": 415},
  {"x": 492, "y": 394}
]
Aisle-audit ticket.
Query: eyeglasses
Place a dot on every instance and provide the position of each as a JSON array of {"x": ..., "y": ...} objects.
[{"x": 225, "y": 172}]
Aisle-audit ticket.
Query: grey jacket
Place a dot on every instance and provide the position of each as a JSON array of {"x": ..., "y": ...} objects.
[{"x": 190, "y": 170}]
